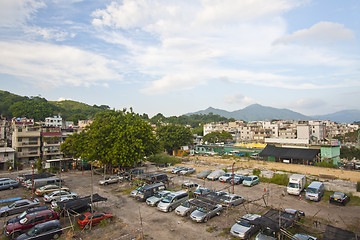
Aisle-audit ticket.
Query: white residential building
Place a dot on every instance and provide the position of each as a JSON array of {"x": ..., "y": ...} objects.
[{"x": 55, "y": 121}]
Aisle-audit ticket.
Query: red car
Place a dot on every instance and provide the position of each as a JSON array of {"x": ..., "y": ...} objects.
[
  {"x": 28, "y": 221},
  {"x": 87, "y": 219}
]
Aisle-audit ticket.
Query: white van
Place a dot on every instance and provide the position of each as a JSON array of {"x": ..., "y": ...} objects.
[
  {"x": 296, "y": 184},
  {"x": 45, "y": 181},
  {"x": 172, "y": 201},
  {"x": 315, "y": 191}
]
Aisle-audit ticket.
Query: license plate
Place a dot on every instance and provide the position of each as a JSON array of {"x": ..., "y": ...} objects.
[{"x": 335, "y": 199}]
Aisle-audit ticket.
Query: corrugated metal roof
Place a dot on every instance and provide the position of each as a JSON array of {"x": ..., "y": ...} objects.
[{"x": 289, "y": 153}]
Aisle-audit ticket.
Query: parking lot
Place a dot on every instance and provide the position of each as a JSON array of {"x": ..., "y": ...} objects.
[{"x": 134, "y": 218}]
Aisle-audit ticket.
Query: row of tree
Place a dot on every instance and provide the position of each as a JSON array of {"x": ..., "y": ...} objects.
[{"x": 122, "y": 138}]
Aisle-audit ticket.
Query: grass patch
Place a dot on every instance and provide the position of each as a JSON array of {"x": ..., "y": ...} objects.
[
  {"x": 354, "y": 200},
  {"x": 256, "y": 172},
  {"x": 128, "y": 190},
  {"x": 210, "y": 229},
  {"x": 277, "y": 178},
  {"x": 163, "y": 158},
  {"x": 225, "y": 232}
]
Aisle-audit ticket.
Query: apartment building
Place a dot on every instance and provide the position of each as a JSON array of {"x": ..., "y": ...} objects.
[
  {"x": 50, "y": 143},
  {"x": 26, "y": 140},
  {"x": 7, "y": 158},
  {"x": 55, "y": 121}
]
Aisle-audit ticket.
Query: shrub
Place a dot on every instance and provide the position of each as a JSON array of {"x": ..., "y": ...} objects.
[
  {"x": 358, "y": 187},
  {"x": 326, "y": 164},
  {"x": 256, "y": 172},
  {"x": 163, "y": 158}
]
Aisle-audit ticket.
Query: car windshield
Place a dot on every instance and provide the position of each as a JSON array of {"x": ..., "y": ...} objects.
[
  {"x": 248, "y": 179},
  {"x": 244, "y": 222},
  {"x": 338, "y": 195},
  {"x": 82, "y": 217},
  {"x": 107, "y": 178},
  {"x": 158, "y": 195},
  {"x": 269, "y": 232},
  {"x": 186, "y": 204},
  {"x": 227, "y": 198},
  {"x": 202, "y": 210},
  {"x": 11, "y": 205},
  {"x": 32, "y": 232},
  {"x": 167, "y": 199},
  {"x": 41, "y": 188},
  {"x": 23, "y": 220},
  {"x": 311, "y": 190},
  {"x": 293, "y": 185}
]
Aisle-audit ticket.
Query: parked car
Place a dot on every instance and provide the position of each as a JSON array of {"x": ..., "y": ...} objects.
[
  {"x": 202, "y": 191},
  {"x": 30, "y": 220},
  {"x": 88, "y": 218},
  {"x": 54, "y": 196},
  {"x": 18, "y": 207},
  {"x": 8, "y": 184},
  {"x": 55, "y": 204},
  {"x": 238, "y": 179},
  {"x": 172, "y": 201},
  {"x": 340, "y": 198},
  {"x": 43, "y": 231},
  {"x": 303, "y": 236},
  {"x": 232, "y": 200},
  {"x": 226, "y": 177},
  {"x": 49, "y": 189},
  {"x": 204, "y": 214},
  {"x": 243, "y": 228},
  {"x": 23, "y": 214},
  {"x": 4, "y": 179},
  {"x": 188, "y": 170},
  {"x": 185, "y": 209},
  {"x": 203, "y": 174},
  {"x": 110, "y": 180},
  {"x": 134, "y": 192},
  {"x": 251, "y": 181},
  {"x": 154, "y": 200},
  {"x": 189, "y": 186},
  {"x": 215, "y": 175},
  {"x": 177, "y": 170}
]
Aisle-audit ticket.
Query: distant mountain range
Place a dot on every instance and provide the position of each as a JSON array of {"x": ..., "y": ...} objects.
[{"x": 257, "y": 112}]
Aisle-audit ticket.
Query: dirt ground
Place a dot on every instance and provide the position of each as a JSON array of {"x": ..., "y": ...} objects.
[
  {"x": 134, "y": 218},
  {"x": 241, "y": 163}
]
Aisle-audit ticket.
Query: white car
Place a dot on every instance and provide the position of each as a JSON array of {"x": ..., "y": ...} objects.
[
  {"x": 55, "y": 196},
  {"x": 54, "y": 204},
  {"x": 215, "y": 175},
  {"x": 227, "y": 177},
  {"x": 111, "y": 179},
  {"x": 243, "y": 228}
]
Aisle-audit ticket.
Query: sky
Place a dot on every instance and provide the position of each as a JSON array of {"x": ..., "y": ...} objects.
[{"x": 179, "y": 56}]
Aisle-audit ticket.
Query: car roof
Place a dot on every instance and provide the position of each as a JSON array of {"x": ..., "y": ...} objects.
[
  {"x": 42, "y": 212},
  {"x": 52, "y": 222},
  {"x": 250, "y": 216}
]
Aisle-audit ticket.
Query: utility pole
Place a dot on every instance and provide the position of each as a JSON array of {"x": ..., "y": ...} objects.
[
  {"x": 32, "y": 183},
  {"x": 233, "y": 178}
]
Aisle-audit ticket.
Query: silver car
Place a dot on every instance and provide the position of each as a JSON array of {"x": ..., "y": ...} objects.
[
  {"x": 110, "y": 180},
  {"x": 187, "y": 170},
  {"x": 154, "y": 200},
  {"x": 203, "y": 215},
  {"x": 55, "y": 196},
  {"x": 243, "y": 229},
  {"x": 303, "y": 236},
  {"x": 232, "y": 200},
  {"x": 185, "y": 209}
]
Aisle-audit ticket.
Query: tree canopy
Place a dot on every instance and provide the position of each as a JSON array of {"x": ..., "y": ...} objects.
[
  {"x": 174, "y": 136},
  {"x": 216, "y": 137},
  {"x": 115, "y": 138}
]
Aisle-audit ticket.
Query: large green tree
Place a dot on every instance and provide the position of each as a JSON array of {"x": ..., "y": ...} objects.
[
  {"x": 215, "y": 137},
  {"x": 174, "y": 136},
  {"x": 115, "y": 138}
]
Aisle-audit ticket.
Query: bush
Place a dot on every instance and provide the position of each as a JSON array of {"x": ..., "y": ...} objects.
[
  {"x": 163, "y": 158},
  {"x": 280, "y": 179},
  {"x": 358, "y": 187},
  {"x": 326, "y": 164},
  {"x": 256, "y": 172}
]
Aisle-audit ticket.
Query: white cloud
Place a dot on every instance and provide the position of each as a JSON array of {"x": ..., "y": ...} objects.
[
  {"x": 211, "y": 39},
  {"x": 238, "y": 99},
  {"x": 18, "y": 12},
  {"x": 173, "y": 83},
  {"x": 52, "y": 65},
  {"x": 49, "y": 33},
  {"x": 322, "y": 32}
]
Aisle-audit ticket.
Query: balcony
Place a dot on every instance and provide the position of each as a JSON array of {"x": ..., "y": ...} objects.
[
  {"x": 29, "y": 144},
  {"x": 28, "y": 154}
]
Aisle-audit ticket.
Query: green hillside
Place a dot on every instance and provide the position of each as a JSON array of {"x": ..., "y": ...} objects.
[{"x": 12, "y": 105}]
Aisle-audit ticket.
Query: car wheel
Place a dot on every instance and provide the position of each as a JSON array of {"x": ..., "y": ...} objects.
[
  {"x": 205, "y": 220},
  {"x": 15, "y": 235},
  {"x": 170, "y": 209},
  {"x": 108, "y": 220},
  {"x": 11, "y": 187},
  {"x": 87, "y": 227},
  {"x": 56, "y": 236},
  {"x": 105, "y": 183},
  {"x": 5, "y": 214}
]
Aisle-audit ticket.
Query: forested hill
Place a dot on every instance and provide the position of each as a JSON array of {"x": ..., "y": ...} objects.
[{"x": 38, "y": 108}]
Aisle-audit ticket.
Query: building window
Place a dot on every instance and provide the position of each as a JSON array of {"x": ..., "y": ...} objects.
[
  {"x": 19, "y": 130},
  {"x": 19, "y": 139}
]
